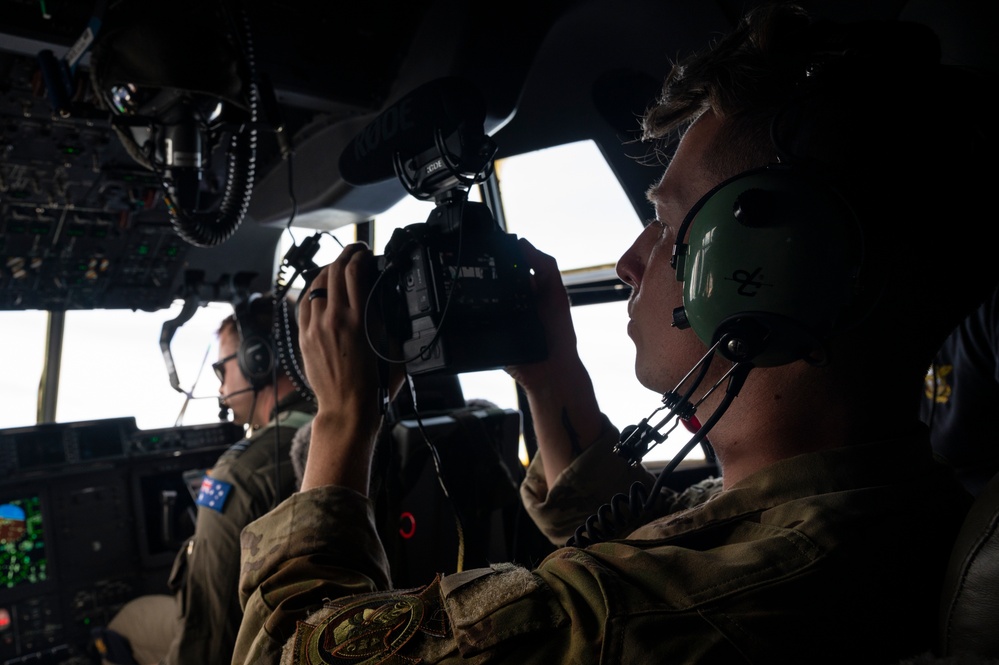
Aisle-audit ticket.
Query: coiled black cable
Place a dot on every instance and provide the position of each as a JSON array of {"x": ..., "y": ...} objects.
[
  {"x": 212, "y": 229},
  {"x": 625, "y": 513}
]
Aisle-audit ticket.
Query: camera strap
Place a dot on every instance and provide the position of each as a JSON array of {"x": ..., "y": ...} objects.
[{"x": 384, "y": 398}]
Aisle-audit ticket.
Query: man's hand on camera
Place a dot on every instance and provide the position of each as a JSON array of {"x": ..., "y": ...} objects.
[
  {"x": 553, "y": 308},
  {"x": 343, "y": 371}
]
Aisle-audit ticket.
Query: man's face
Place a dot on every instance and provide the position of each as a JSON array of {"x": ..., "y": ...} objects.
[
  {"x": 665, "y": 354},
  {"x": 234, "y": 391}
]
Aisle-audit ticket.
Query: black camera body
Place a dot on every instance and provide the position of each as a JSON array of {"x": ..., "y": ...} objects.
[{"x": 459, "y": 299}]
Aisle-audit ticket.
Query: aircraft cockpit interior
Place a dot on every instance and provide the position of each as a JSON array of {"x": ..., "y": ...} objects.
[{"x": 165, "y": 160}]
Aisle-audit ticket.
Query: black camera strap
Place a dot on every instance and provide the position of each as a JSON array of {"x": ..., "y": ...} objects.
[{"x": 384, "y": 398}]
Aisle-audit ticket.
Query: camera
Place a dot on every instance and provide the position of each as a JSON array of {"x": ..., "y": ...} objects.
[
  {"x": 460, "y": 299},
  {"x": 455, "y": 291}
]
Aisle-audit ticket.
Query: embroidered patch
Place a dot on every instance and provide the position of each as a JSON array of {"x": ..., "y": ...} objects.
[
  {"x": 937, "y": 383},
  {"x": 371, "y": 629},
  {"x": 213, "y": 493}
]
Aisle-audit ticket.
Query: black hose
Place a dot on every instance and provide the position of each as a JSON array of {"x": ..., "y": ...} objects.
[{"x": 211, "y": 229}]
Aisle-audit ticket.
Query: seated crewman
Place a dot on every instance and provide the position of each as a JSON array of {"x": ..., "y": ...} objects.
[
  {"x": 785, "y": 252},
  {"x": 198, "y": 624}
]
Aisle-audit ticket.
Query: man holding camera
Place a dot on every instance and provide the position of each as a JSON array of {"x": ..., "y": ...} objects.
[{"x": 828, "y": 539}]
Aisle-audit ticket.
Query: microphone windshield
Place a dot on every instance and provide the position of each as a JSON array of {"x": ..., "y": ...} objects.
[{"x": 409, "y": 126}]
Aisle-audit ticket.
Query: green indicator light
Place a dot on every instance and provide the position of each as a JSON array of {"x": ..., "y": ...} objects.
[
  {"x": 172, "y": 251},
  {"x": 143, "y": 249}
]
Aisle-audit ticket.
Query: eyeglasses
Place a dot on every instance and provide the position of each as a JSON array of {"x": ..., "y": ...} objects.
[{"x": 219, "y": 366}]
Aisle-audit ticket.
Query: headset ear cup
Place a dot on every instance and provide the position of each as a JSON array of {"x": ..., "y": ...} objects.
[
  {"x": 771, "y": 265},
  {"x": 256, "y": 360},
  {"x": 256, "y": 354}
]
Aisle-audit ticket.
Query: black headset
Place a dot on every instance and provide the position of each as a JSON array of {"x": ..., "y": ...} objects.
[
  {"x": 770, "y": 267},
  {"x": 256, "y": 354}
]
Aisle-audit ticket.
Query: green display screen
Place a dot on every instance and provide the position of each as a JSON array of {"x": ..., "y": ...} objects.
[{"x": 23, "y": 558}]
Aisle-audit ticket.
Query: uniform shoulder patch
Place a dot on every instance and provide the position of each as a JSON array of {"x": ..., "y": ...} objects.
[
  {"x": 372, "y": 628},
  {"x": 213, "y": 493}
]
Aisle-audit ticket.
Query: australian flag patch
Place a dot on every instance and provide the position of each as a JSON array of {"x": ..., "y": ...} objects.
[{"x": 213, "y": 493}]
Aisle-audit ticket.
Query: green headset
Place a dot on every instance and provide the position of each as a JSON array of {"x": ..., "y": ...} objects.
[{"x": 769, "y": 267}]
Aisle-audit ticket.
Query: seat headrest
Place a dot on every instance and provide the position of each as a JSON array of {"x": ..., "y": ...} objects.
[
  {"x": 970, "y": 602},
  {"x": 434, "y": 392}
]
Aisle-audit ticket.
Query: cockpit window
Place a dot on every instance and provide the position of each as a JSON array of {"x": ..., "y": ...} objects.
[
  {"x": 568, "y": 203},
  {"x": 112, "y": 366},
  {"x": 22, "y": 356}
]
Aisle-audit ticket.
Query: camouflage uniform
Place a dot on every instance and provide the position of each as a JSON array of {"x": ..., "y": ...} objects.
[
  {"x": 586, "y": 484},
  {"x": 206, "y": 570},
  {"x": 831, "y": 556}
]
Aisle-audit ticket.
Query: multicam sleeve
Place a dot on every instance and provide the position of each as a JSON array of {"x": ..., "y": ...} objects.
[
  {"x": 316, "y": 545},
  {"x": 585, "y": 485}
]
